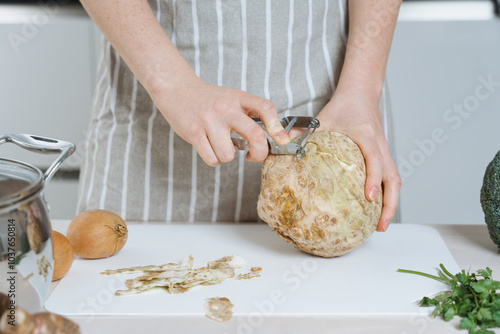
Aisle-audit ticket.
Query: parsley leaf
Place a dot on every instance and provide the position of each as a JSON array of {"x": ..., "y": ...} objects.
[
  {"x": 474, "y": 297},
  {"x": 467, "y": 323}
]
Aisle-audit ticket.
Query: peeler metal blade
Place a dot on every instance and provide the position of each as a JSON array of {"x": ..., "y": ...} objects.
[{"x": 289, "y": 122}]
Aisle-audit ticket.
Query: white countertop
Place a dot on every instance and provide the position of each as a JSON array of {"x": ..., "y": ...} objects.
[
  {"x": 470, "y": 245},
  {"x": 438, "y": 10}
]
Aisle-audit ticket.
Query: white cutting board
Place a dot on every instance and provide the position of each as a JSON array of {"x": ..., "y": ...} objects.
[{"x": 363, "y": 281}]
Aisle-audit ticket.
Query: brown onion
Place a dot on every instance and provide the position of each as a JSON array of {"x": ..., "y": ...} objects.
[
  {"x": 63, "y": 255},
  {"x": 96, "y": 234}
]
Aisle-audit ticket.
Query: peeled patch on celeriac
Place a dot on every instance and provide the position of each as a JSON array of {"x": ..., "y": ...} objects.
[{"x": 318, "y": 204}]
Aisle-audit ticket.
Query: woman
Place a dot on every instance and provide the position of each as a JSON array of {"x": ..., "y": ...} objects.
[{"x": 181, "y": 75}]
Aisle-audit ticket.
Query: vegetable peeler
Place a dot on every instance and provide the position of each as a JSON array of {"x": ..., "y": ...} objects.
[{"x": 289, "y": 122}]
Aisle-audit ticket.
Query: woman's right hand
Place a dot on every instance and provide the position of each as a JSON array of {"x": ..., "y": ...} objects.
[{"x": 204, "y": 115}]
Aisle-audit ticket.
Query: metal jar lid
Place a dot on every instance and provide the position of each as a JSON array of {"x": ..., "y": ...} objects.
[{"x": 18, "y": 182}]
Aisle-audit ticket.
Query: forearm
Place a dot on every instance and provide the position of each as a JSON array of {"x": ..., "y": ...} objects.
[
  {"x": 134, "y": 32},
  {"x": 371, "y": 27},
  {"x": 201, "y": 113}
]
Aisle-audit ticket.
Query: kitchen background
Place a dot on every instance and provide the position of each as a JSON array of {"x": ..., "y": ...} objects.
[{"x": 443, "y": 76}]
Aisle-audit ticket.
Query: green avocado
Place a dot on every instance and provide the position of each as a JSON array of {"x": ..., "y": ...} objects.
[{"x": 490, "y": 198}]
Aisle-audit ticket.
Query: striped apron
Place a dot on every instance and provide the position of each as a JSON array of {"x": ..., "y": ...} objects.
[{"x": 290, "y": 52}]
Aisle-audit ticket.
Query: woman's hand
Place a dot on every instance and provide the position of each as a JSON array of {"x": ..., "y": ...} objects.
[
  {"x": 358, "y": 117},
  {"x": 204, "y": 115},
  {"x": 353, "y": 109}
]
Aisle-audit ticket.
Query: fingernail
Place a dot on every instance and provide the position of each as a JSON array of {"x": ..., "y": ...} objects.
[
  {"x": 385, "y": 225},
  {"x": 284, "y": 138},
  {"x": 373, "y": 193}
]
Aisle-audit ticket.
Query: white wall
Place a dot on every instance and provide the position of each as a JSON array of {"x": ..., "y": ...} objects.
[
  {"x": 47, "y": 66},
  {"x": 436, "y": 67}
]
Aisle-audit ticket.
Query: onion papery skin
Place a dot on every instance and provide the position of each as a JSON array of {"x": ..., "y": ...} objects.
[
  {"x": 63, "y": 255},
  {"x": 97, "y": 234}
]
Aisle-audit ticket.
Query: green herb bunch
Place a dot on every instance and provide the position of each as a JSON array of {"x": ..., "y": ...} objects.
[{"x": 473, "y": 297}]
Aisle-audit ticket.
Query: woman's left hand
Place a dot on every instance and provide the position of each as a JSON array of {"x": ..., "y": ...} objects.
[{"x": 358, "y": 117}]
